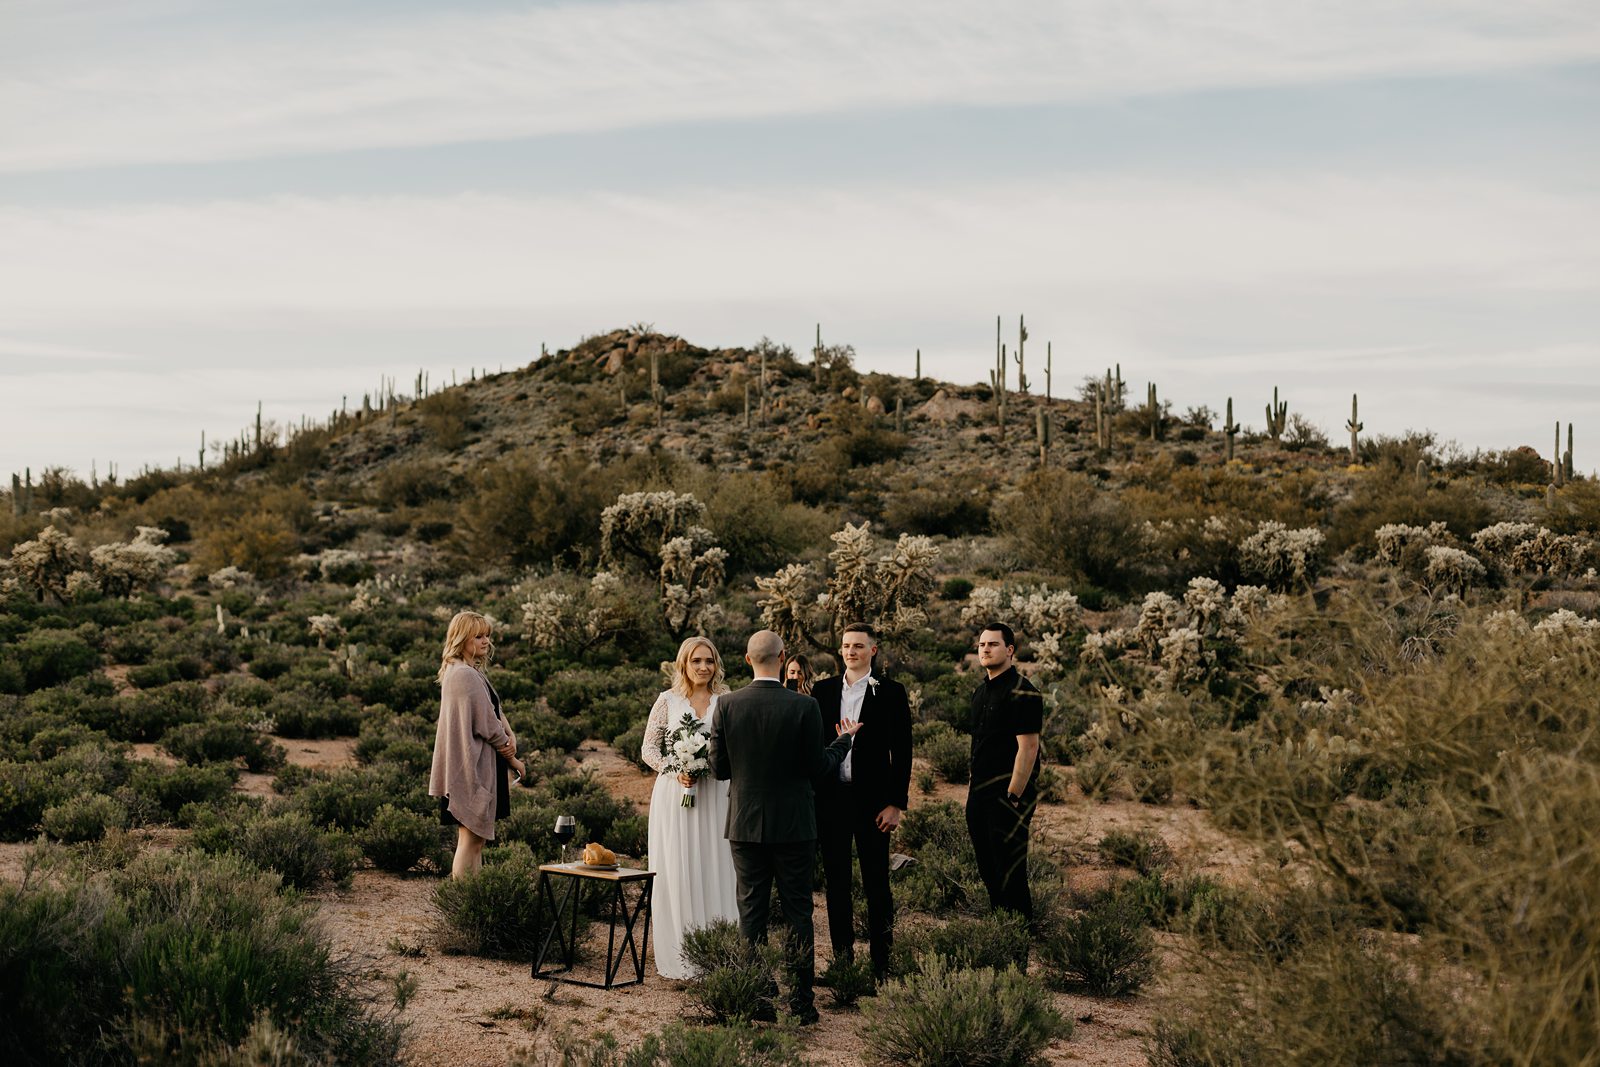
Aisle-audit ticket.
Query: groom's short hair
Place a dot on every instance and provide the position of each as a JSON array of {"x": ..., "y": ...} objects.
[
  {"x": 765, "y": 647},
  {"x": 860, "y": 628}
]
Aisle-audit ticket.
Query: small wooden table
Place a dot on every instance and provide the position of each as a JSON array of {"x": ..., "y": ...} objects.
[{"x": 563, "y": 929}]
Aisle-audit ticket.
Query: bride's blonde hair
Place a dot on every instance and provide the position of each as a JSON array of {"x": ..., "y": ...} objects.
[
  {"x": 680, "y": 667},
  {"x": 465, "y": 626}
]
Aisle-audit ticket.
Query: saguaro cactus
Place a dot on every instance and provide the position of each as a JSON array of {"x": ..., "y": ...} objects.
[
  {"x": 918, "y": 376},
  {"x": 1277, "y": 416},
  {"x": 202, "y": 450},
  {"x": 1153, "y": 410},
  {"x": 747, "y": 405},
  {"x": 997, "y": 382},
  {"x": 16, "y": 494},
  {"x": 1022, "y": 341},
  {"x": 1568, "y": 459},
  {"x": 1102, "y": 415},
  {"x": 1047, "y": 361},
  {"x": 1041, "y": 432},
  {"x": 1560, "y": 467},
  {"x": 816, "y": 356},
  {"x": 1355, "y": 427},
  {"x": 900, "y": 414},
  {"x": 657, "y": 394},
  {"x": 1230, "y": 429}
]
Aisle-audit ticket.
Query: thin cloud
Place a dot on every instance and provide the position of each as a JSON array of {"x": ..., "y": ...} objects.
[{"x": 81, "y": 91}]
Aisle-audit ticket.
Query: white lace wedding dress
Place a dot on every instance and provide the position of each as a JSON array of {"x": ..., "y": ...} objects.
[{"x": 693, "y": 863}]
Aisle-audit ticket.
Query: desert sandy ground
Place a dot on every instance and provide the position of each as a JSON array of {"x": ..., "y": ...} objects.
[{"x": 470, "y": 1011}]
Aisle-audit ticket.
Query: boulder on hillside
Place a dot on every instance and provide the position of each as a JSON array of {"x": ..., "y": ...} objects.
[{"x": 944, "y": 408}]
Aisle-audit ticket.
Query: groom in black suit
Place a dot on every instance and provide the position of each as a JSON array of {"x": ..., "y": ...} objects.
[
  {"x": 767, "y": 741},
  {"x": 862, "y": 801}
]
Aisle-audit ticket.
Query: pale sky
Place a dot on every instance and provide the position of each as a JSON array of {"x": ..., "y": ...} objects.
[{"x": 203, "y": 205}]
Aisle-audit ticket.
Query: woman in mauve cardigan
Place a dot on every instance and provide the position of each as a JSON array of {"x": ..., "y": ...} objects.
[{"x": 469, "y": 777}]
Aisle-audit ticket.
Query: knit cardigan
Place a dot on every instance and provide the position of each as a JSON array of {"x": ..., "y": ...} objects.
[{"x": 465, "y": 750}]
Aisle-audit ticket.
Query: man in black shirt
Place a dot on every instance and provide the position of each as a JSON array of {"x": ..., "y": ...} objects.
[{"x": 1007, "y": 717}]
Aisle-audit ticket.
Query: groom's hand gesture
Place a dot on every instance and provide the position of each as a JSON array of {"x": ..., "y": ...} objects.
[{"x": 847, "y": 729}]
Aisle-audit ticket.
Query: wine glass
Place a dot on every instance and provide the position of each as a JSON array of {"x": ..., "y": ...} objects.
[{"x": 566, "y": 826}]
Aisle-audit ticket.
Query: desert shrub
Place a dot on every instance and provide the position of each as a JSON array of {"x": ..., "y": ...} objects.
[
  {"x": 997, "y": 941},
  {"x": 944, "y": 1017},
  {"x": 680, "y": 1045},
  {"x": 411, "y": 484},
  {"x": 945, "y": 876},
  {"x": 630, "y": 834},
  {"x": 1064, "y": 522},
  {"x": 51, "y": 657},
  {"x": 155, "y": 792},
  {"x": 209, "y": 742},
  {"x": 83, "y": 818},
  {"x": 304, "y": 854},
  {"x": 349, "y": 798},
  {"x": 733, "y": 979},
  {"x": 398, "y": 840},
  {"x": 527, "y": 510},
  {"x": 493, "y": 913},
  {"x": 1142, "y": 850},
  {"x": 148, "y": 715},
  {"x": 1174, "y": 1043},
  {"x": 848, "y": 980},
  {"x": 949, "y": 753},
  {"x": 570, "y": 692},
  {"x": 630, "y": 744},
  {"x": 1104, "y": 949},
  {"x": 757, "y": 521},
  {"x": 953, "y": 510},
  {"x": 306, "y": 712},
  {"x": 175, "y": 959}
]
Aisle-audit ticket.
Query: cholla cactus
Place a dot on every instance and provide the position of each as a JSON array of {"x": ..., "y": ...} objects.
[
  {"x": 662, "y": 530},
  {"x": 80, "y": 585},
  {"x": 230, "y": 577},
  {"x": 324, "y": 628},
  {"x": 1281, "y": 556},
  {"x": 1453, "y": 568},
  {"x": 549, "y": 619},
  {"x": 333, "y": 563},
  {"x": 1101, "y": 647},
  {"x": 1395, "y": 537},
  {"x": 47, "y": 561},
  {"x": 1506, "y": 625},
  {"x": 578, "y": 618},
  {"x": 1043, "y": 610},
  {"x": 1183, "y": 658},
  {"x": 121, "y": 568},
  {"x": 1207, "y": 601},
  {"x": 1496, "y": 542},
  {"x": 983, "y": 604},
  {"x": 888, "y": 591},
  {"x": 1566, "y": 623},
  {"x": 1159, "y": 614},
  {"x": 1548, "y": 553}
]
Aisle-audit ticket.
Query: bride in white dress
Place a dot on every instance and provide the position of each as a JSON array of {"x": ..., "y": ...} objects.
[{"x": 693, "y": 863}]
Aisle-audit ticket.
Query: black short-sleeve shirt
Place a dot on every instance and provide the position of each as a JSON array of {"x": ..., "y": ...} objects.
[{"x": 1002, "y": 708}]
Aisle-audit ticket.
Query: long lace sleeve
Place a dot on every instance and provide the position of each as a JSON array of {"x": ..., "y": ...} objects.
[{"x": 655, "y": 735}]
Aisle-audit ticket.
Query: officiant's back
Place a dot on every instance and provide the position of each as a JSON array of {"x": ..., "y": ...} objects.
[{"x": 767, "y": 741}]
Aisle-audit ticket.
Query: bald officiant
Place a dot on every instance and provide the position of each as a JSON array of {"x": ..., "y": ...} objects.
[{"x": 767, "y": 742}]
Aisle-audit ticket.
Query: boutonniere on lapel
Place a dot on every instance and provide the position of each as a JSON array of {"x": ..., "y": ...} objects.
[{"x": 872, "y": 685}]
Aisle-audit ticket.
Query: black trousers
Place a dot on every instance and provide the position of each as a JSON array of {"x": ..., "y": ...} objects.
[
  {"x": 999, "y": 835},
  {"x": 842, "y": 819},
  {"x": 791, "y": 866}
]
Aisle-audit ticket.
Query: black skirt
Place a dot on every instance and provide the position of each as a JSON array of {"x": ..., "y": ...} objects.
[{"x": 502, "y": 796}]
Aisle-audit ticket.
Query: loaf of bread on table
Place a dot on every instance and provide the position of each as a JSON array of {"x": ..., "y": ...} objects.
[{"x": 597, "y": 855}]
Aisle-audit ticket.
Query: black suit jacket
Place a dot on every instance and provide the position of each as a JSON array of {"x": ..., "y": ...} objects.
[
  {"x": 767, "y": 742},
  {"x": 880, "y": 767}
]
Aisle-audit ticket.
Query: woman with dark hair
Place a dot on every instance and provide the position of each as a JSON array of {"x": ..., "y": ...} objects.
[
  {"x": 799, "y": 675},
  {"x": 474, "y": 746}
]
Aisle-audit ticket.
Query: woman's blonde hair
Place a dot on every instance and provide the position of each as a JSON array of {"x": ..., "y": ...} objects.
[
  {"x": 463, "y": 628},
  {"x": 680, "y": 667}
]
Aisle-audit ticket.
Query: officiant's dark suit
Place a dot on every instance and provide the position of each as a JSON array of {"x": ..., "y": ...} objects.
[
  {"x": 767, "y": 742},
  {"x": 880, "y": 777}
]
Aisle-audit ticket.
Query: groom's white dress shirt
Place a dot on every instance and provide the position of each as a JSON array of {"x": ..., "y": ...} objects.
[{"x": 850, "y": 699}]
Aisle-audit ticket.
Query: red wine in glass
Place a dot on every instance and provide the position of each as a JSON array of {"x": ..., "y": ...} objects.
[{"x": 566, "y": 826}]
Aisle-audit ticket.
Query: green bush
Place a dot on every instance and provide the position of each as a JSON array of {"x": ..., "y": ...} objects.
[
  {"x": 304, "y": 854},
  {"x": 174, "y": 959},
  {"x": 398, "y": 840},
  {"x": 997, "y": 940},
  {"x": 1142, "y": 850},
  {"x": 148, "y": 715},
  {"x": 630, "y": 746},
  {"x": 733, "y": 979},
  {"x": 1064, "y": 522},
  {"x": 212, "y": 742},
  {"x": 350, "y": 798},
  {"x": 84, "y": 818},
  {"x": 51, "y": 657},
  {"x": 944, "y": 1017},
  {"x": 308, "y": 712},
  {"x": 155, "y": 792},
  {"x": 1105, "y": 949},
  {"x": 493, "y": 913},
  {"x": 945, "y": 876},
  {"x": 950, "y": 755},
  {"x": 848, "y": 980},
  {"x": 1096, "y": 774}
]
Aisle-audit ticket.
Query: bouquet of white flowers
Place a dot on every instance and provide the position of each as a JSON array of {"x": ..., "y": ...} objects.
[{"x": 686, "y": 753}]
